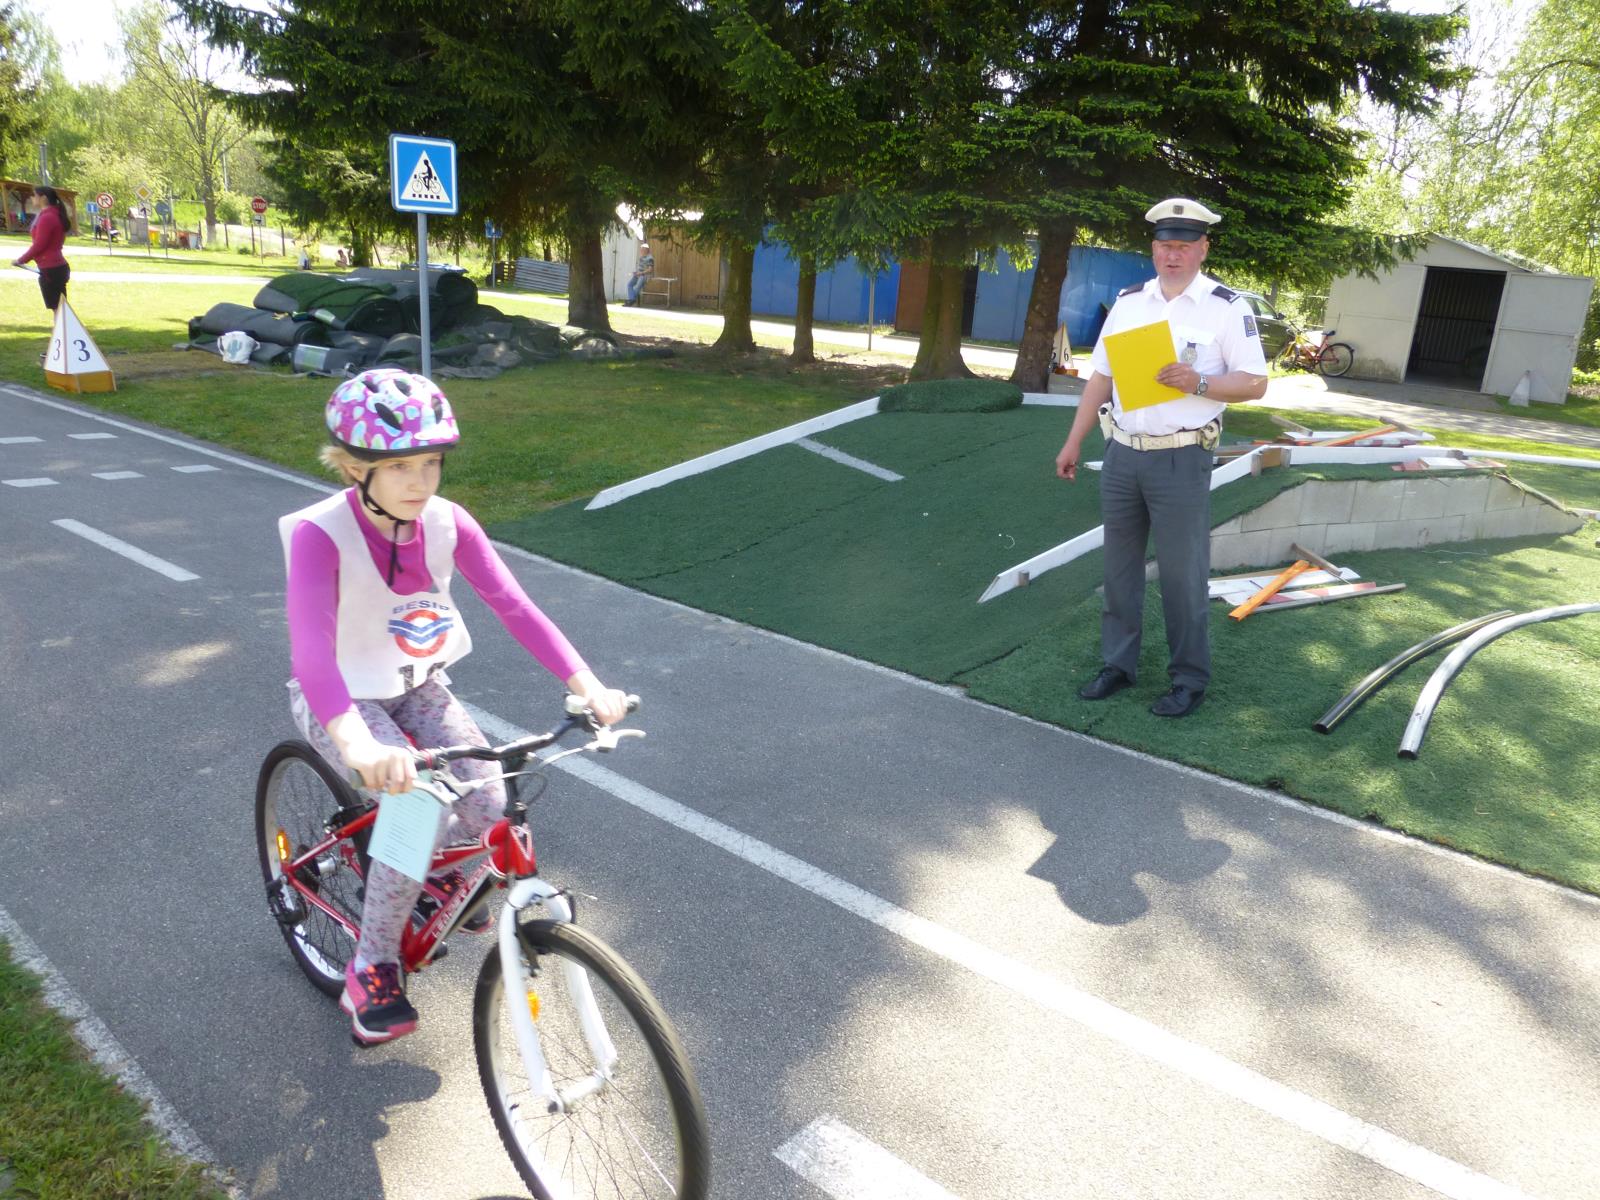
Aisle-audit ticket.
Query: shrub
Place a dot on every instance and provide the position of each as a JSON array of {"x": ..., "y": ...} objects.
[{"x": 951, "y": 396}]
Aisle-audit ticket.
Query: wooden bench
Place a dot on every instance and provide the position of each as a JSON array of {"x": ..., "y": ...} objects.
[{"x": 658, "y": 287}]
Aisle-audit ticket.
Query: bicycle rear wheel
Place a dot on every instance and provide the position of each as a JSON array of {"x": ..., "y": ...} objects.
[
  {"x": 641, "y": 1134},
  {"x": 1336, "y": 359},
  {"x": 296, "y": 792}
]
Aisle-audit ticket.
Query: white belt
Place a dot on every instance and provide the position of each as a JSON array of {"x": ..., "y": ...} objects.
[{"x": 1163, "y": 441}]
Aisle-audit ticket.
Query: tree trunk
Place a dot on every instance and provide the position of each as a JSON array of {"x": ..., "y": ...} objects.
[
  {"x": 736, "y": 337},
  {"x": 939, "y": 350},
  {"x": 804, "y": 303},
  {"x": 1032, "y": 372},
  {"x": 586, "y": 282},
  {"x": 360, "y": 247},
  {"x": 208, "y": 196}
]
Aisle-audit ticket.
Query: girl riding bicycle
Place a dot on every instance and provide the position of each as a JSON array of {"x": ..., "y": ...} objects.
[{"x": 372, "y": 628}]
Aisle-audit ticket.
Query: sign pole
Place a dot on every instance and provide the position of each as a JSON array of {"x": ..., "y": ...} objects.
[
  {"x": 422, "y": 293},
  {"x": 872, "y": 296}
]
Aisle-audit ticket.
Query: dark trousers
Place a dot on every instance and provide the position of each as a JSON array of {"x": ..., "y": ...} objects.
[
  {"x": 53, "y": 284},
  {"x": 1168, "y": 493}
]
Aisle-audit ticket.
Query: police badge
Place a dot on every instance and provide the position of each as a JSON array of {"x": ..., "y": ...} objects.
[{"x": 1190, "y": 353}]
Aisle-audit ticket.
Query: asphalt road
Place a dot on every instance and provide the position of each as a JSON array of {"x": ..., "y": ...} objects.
[{"x": 1015, "y": 962}]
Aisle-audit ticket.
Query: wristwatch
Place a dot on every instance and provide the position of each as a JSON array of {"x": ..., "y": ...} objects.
[{"x": 1200, "y": 388}]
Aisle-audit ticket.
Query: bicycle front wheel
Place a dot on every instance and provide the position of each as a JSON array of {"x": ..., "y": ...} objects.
[
  {"x": 1336, "y": 359},
  {"x": 641, "y": 1133},
  {"x": 296, "y": 793}
]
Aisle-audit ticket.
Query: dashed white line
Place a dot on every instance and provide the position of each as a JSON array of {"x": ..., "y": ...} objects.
[
  {"x": 1197, "y": 1062},
  {"x": 90, "y": 437},
  {"x": 848, "y": 1166},
  {"x": 848, "y": 460},
  {"x": 116, "y": 474},
  {"x": 18, "y": 441},
  {"x": 37, "y": 482},
  {"x": 117, "y": 546},
  {"x": 196, "y": 468}
]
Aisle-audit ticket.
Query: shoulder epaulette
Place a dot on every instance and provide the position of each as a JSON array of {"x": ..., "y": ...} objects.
[
  {"x": 1227, "y": 294},
  {"x": 1131, "y": 289}
]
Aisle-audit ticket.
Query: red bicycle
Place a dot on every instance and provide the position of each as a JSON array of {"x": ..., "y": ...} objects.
[
  {"x": 1325, "y": 356},
  {"x": 589, "y": 1085}
]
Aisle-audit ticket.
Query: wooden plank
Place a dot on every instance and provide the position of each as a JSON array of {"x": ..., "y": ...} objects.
[{"x": 1266, "y": 593}]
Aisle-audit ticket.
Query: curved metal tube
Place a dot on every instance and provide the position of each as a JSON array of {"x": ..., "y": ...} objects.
[
  {"x": 1353, "y": 699},
  {"x": 1417, "y": 726}
]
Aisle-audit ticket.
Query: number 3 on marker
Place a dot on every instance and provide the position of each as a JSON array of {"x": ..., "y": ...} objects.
[
  {"x": 83, "y": 349},
  {"x": 55, "y": 351}
]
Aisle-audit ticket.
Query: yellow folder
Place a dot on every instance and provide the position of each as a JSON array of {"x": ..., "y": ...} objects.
[{"x": 1136, "y": 356}]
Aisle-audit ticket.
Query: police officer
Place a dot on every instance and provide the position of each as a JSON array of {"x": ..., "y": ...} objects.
[{"x": 1157, "y": 472}]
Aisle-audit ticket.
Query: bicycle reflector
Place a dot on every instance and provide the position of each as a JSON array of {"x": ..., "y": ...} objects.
[
  {"x": 510, "y": 849},
  {"x": 284, "y": 854}
]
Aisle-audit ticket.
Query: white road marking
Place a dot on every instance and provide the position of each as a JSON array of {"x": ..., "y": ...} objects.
[
  {"x": 196, "y": 468},
  {"x": 28, "y": 482},
  {"x": 1204, "y": 1066},
  {"x": 848, "y": 460},
  {"x": 145, "y": 559},
  {"x": 90, "y": 437},
  {"x": 191, "y": 447},
  {"x": 18, "y": 441},
  {"x": 104, "y": 1048},
  {"x": 116, "y": 475},
  {"x": 837, "y": 1159}
]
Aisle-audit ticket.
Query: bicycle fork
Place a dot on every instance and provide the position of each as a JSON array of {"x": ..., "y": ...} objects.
[{"x": 527, "y": 893}]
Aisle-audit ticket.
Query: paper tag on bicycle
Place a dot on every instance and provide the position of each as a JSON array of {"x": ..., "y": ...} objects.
[{"x": 405, "y": 832}]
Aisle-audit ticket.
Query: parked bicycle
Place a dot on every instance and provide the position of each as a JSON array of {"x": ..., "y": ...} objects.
[
  {"x": 589, "y": 1085},
  {"x": 1317, "y": 353}
]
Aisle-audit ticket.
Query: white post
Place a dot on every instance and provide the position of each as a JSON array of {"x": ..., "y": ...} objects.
[
  {"x": 422, "y": 295},
  {"x": 44, "y": 162}
]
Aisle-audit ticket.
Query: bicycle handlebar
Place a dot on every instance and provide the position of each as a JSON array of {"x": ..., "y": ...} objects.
[{"x": 579, "y": 716}]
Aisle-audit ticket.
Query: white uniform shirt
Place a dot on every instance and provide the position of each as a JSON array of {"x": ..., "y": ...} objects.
[{"x": 1223, "y": 333}]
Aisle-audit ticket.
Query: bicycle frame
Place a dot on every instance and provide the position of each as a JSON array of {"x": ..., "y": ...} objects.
[{"x": 418, "y": 946}]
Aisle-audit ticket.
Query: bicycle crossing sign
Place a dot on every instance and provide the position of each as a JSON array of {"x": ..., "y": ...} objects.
[{"x": 422, "y": 174}]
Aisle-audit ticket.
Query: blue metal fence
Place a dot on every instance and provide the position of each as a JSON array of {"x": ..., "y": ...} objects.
[
  {"x": 1094, "y": 277},
  {"x": 842, "y": 290}
]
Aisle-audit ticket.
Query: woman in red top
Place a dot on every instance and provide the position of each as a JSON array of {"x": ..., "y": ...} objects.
[{"x": 49, "y": 232}]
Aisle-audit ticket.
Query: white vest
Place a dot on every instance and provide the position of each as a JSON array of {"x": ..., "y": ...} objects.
[{"x": 387, "y": 644}]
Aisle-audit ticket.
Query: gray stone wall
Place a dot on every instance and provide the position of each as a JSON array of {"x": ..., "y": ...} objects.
[{"x": 1407, "y": 512}]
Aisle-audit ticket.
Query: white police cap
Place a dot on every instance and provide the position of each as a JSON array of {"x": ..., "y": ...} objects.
[{"x": 1181, "y": 220}]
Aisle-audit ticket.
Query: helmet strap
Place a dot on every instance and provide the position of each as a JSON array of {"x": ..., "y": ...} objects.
[{"x": 372, "y": 505}]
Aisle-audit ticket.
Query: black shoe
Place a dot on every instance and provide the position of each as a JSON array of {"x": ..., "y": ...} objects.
[
  {"x": 1109, "y": 682},
  {"x": 438, "y": 890},
  {"x": 1179, "y": 702}
]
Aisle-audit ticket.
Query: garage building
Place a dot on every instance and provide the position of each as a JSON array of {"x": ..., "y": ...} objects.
[{"x": 1458, "y": 315}]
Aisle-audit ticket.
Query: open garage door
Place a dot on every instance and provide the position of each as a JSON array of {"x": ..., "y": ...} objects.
[{"x": 1455, "y": 326}]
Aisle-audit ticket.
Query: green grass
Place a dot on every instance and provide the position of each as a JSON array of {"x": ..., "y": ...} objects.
[
  {"x": 1579, "y": 409},
  {"x": 69, "y": 1130},
  {"x": 533, "y": 437}
]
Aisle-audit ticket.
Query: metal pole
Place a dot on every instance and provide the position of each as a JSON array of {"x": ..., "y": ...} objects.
[
  {"x": 44, "y": 163},
  {"x": 422, "y": 292},
  {"x": 872, "y": 297}
]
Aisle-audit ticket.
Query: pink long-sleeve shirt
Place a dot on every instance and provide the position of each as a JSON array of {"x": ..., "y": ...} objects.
[{"x": 313, "y": 602}]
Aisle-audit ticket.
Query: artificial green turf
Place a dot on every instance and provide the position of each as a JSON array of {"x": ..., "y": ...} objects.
[
  {"x": 1508, "y": 769},
  {"x": 889, "y": 572}
]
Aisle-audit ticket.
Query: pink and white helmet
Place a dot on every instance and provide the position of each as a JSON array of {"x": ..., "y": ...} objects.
[{"x": 387, "y": 413}]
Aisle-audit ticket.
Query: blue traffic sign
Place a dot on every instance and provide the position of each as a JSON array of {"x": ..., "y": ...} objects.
[
  {"x": 91, "y": 207},
  {"x": 422, "y": 174},
  {"x": 164, "y": 210},
  {"x": 490, "y": 229}
]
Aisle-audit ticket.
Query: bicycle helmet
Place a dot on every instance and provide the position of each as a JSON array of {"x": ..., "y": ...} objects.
[{"x": 390, "y": 413}]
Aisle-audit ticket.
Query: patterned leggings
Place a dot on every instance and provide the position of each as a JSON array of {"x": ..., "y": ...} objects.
[{"x": 432, "y": 717}]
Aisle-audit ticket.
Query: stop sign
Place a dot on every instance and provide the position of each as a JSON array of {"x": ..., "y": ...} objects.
[{"x": 258, "y": 205}]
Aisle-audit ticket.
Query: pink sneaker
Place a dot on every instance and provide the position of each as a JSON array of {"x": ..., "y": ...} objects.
[{"x": 376, "y": 1001}]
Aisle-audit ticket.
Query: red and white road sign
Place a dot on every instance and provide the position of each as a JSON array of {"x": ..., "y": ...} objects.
[
  {"x": 259, "y": 204},
  {"x": 105, "y": 199}
]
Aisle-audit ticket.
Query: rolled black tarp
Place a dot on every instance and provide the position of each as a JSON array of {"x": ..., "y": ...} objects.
[{"x": 272, "y": 328}]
